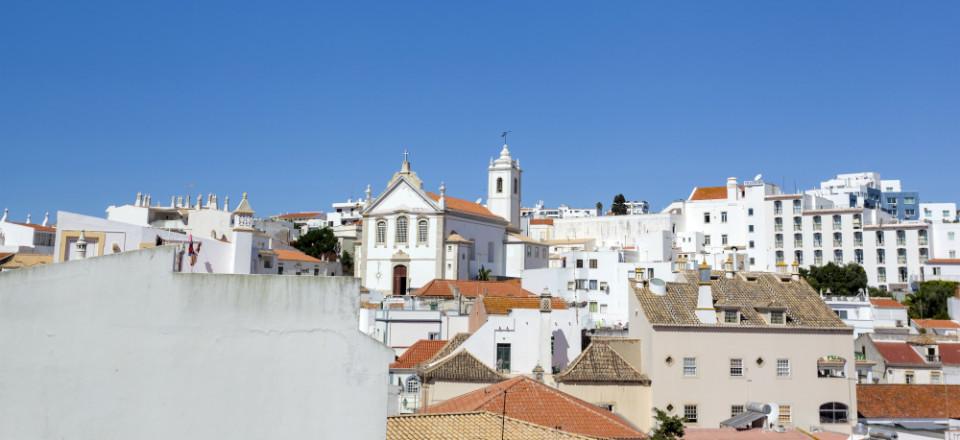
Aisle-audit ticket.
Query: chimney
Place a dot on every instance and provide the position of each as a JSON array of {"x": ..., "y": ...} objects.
[
  {"x": 46, "y": 218},
  {"x": 705, "y": 311},
  {"x": 139, "y": 200},
  {"x": 731, "y": 188},
  {"x": 795, "y": 271},
  {"x": 28, "y": 218},
  {"x": 226, "y": 203},
  {"x": 443, "y": 196},
  {"x": 546, "y": 329},
  {"x": 728, "y": 270},
  {"x": 82, "y": 246},
  {"x": 5, "y": 213}
]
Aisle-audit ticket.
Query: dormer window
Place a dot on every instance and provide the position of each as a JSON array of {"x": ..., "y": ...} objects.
[
  {"x": 731, "y": 317},
  {"x": 777, "y": 317}
]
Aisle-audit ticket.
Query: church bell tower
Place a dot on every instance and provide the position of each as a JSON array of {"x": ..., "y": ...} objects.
[{"x": 503, "y": 187}]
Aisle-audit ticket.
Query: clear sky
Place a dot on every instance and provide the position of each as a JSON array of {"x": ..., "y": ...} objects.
[{"x": 303, "y": 104}]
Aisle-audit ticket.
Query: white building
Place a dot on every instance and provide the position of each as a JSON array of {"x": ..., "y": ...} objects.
[
  {"x": 26, "y": 237},
  {"x": 411, "y": 236},
  {"x": 616, "y": 232},
  {"x": 125, "y": 347},
  {"x": 938, "y": 212}
]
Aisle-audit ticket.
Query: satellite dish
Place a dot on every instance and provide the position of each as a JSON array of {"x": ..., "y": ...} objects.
[{"x": 758, "y": 177}]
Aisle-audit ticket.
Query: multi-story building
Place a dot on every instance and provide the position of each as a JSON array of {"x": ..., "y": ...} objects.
[
  {"x": 910, "y": 358},
  {"x": 904, "y": 205},
  {"x": 852, "y": 190},
  {"x": 713, "y": 341},
  {"x": 938, "y": 212}
]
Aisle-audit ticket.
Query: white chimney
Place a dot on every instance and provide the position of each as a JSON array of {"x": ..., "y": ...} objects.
[
  {"x": 732, "y": 188},
  {"x": 82, "y": 246},
  {"x": 705, "y": 311},
  {"x": 46, "y": 218},
  {"x": 728, "y": 269},
  {"x": 546, "y": 330}
]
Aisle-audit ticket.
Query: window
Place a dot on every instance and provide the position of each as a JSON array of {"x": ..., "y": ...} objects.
[
  {"x": 579, "y": 263},
  {"x": 891, "y": 200},
  {"x": 413, "y": 385},
  {"x": 879, "y": 238},
  {"x": 777, "y": 207},
  {"x": 858, "y": 238},
  {"x": 499, "y": 184},
  {"x": 858, "y": 256},
  {"x": 730, "y": 317},
  {"x": 935, "y": 377},
  {"x": 817, "y": 239},
  {"x": 706, "y": 240},
  {"x": 797, "y": 224},
  {"x": 785, "y": 416},
  {"x": 723, "y": 239},
  {"x": 796, "y": 207},
  {"x": 690, "y": 413},
  {"x": 779, "y": 256},
  {"x": 280, "y": 269},
  {"x": 401, "y": 231},
  {"x": 922, "y": 237},
  {"x": 381, "y": 232},
  {"x": 908, "y": 378},
  {"x": 881, "y": 256},
  {"x": 689, "y": 367},
  {"x": 842, "y": 314},
  {"x": 783, "y": 367},
  {"x": 706, "y": 217},
  {"x": 881, "y": 275},
  {"x": 750, "y": 212},
  {"x": 749, "y": 228},
  {"x": 777, "y": 317},
  {"x": 798, "y": 257},
  {"x": 593, "y": 284},
  {"x": 778, "y": 240},
  {"x": 951, "y": 236},
  {"x": 529, "y": 250},
  {"x": 837, "y": 239},
  {"x": 909, "y": 212},
  {"x": 594, "y": 308},
  {"x": 817, "y": 223},
  {"x": 901, "y": 238},
  {"x": 723, "y": 216},
  {"x": 490, "y": 252},
  {"x": 422, "y": 229},
  {"x": 736, "y": 367},
  {"x": 901, "y": 256},
  {"x": 516, "y": 186},
  {"x": 953, "y": 254},
  {"x": 797, "y": 240},
  {"x": 593, "y": 263},
  {"x": 838, "y": 257},
  {"x": 316, "y": 271},
  {"x": 778, "y": 224},
  {"x": 833, "y": 412},
  {"x": 503, "y": 357},
  {"x": 837, "y": 222},
  {"x": 818, "y": 258},
  {"x": 909, "y": 200},
  {"x": 736, "y": 410},
  {"x": 752, "y": 244}
]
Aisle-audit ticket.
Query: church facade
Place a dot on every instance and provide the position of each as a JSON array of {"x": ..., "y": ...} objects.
[{"x": 411, "y": 236}]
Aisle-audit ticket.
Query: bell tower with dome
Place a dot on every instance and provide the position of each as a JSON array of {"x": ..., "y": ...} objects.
[{"x": 503, "y": 187}]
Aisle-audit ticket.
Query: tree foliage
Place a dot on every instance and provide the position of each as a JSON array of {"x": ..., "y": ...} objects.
[
  {"x": 668, "y": 427},
  {"x": 840, "y": 280},
  {"x": 483, "y": 274},
  {"x": 317, "y": 242},
  {"x": 599, "y": 208},
  {"x": 619, "y": 206},
  {"x": 346, "y": 260},
  {"x": 930, "y": 300}
]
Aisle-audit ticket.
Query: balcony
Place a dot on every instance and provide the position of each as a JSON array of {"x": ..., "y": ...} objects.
[
  {"x": 923, "y": 241},
  {"x": 777, "y": 211},
  {"x": 798, "y": 243},
  {"x": 818, "y": 226},
  {"x": 837, "y": 243},
  {"x": 837, "y": 225},
  {"x": 778, "y": 244},
  {"x": 858, "y": 243},
  {"x": 932, "y": 358},
  {"x": 778, "y": 227}
]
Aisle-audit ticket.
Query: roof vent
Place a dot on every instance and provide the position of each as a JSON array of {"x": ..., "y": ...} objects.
[{"x": 658, "y": 287}]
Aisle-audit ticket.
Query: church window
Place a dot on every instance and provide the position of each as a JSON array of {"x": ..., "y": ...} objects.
[
  {"x": 499, "y": 184},
  {"x": 381, "y": 232},
  {"x": 489, "y": 252},
  {"x": 516, "y": 187},
  {"x": 422, "y": 231},
  {"x": 401, "y": 230}
]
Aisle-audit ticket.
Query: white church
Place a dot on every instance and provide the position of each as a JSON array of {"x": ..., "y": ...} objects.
[{"x": 411, "y": 236}]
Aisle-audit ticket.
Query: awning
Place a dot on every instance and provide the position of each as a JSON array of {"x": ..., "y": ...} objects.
[{"x": 743, "y": 420}]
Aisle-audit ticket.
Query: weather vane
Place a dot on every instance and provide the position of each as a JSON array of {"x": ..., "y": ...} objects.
[{"x": 504, "y": 136}]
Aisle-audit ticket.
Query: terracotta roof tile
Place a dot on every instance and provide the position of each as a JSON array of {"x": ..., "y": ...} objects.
[
  {"x": 465, "y": 206},
  {"x": 898, "y": 401},
  {"x": 503, "y": 305},
  {"x": 37, "y": 227},
  {"x": 534, "y": 402},
  {"x": 600, "y": 363},
  {"x": 417, "y": 353},
  {"x": 450, "y": 346},
  {"x": 471, "y": 289},
  {"x": 460, "y": 366},
  {"x": 294, "y": 255},
  {"x": 949, "y": 353},
  {"x": 709, "y": 193},
  {"x": 886, "y": 303},
  {"x": 899, "y": 353},
  {"x": 479, "y": 425},
  {"x": 943, "y": 261},
  {"x": 298, "y": 215},
  {"x": 541, "y": 221},
  {"x": 936, "y": 323}
]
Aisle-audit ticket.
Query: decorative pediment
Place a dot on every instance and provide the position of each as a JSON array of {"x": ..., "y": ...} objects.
[
  {"x": 402, "y": 196},
  {"x": 400, "y": 255}
]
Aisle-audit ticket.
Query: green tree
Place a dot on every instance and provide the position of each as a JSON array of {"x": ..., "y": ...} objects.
[
  {"x": 668, "y": 427},
  {"x": 484, "y": 274},
  {"x": 930, "y": 300},
  {"x": 317, "y": 242},
  {"x": 619, "y": 206},
  {"x": 346, "y": 260},
  {"x": 879, "y": 293},
  {"x": 840, "y": 280}
]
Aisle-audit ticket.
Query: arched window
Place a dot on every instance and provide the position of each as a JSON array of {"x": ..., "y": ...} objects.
[
  {"x": 833, "y": 412},
  {"x": 422, "y": 230},
  {"x": 413, "y": 385},
  {"x": 381, "y": 232},
  {"x": 401, "y": 236},
  {"x": 499, "y": 184},
  {"x": 516, "y": 188}
]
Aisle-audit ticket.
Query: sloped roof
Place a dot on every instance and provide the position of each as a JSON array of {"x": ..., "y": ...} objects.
[
  {"x": 943, "y": 261},
  {"x": 886, "y": 303},
  {"x": 36, "y": 227},
  {"x": 459, "y": 367},
  {"x": 899, "y": 401},
  {"x": 465, "y": 206},
  {"x": 936, "y": 323},
  {"x": 294, "y": 255},
  {"x": 534, "y": 402},
  {"x": 296, "y": 215},
  {"x": 417, "y": 353},
  {"x": 709, "y": 193},
  {"x": 899, "y": 353},
  {"x": 450, "y": 346},
  {"x": 472, "y": 289},
  {"x": 541, "y": 221},
  {"x": 949, "y": 353},
  {"x": 749, "y": 292},
  {"x": 601, "y": 363},
  {"x": 503, "y": 305},
  {"x": 479, "y": 425}
]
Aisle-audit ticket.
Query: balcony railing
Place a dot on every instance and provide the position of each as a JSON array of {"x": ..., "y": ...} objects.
[
  {"x": 932, "y": 358},
  {"x": 798, "y": 243},
  {"x": 923, "y": 241},
  {"x": 777, "y": 211},
  {"x": 837, "y": 243},
  {"x": 858, "y": 243},
  {"x": 778, "y": 244},
  {"x": 817, "y": 226},
  {"x": 778, "y": 227},
  {"x": 837, "y": 225}
]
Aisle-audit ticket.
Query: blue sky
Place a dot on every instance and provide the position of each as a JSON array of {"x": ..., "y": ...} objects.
[{"x": 304, "y": 103}]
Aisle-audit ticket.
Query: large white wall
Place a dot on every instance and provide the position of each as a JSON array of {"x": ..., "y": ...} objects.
[{"x": 121, "y": 347}]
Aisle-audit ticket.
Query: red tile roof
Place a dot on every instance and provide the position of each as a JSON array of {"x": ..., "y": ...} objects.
[
  {"x": 471, "y": 289},
  {"x": 936, "y": 323},
  {"x": 709, "y": 193},
  {"x": 465, "y": 206},
  {"x": 897, "y": 401},
  {"x": 534, "y": 402},
  {"x": 898, "y": 353},
  {"x": 758, "y": 434},
  {"x": 503, "y": 305},
  {"x": 417, "y": 353},
  {"x": 294, "y": 255},
  {"x": 37, "y": 227},
  {"x": 949, "y": 353},
  {"x": 943, "y": 261},
  {"x": 886, "y": 303},
  {"x": 541, "y": 221},
  {"x": 296, "y": 215}
]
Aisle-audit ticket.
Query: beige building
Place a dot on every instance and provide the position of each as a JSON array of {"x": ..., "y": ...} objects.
[{"x": 759, "y": 345}]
